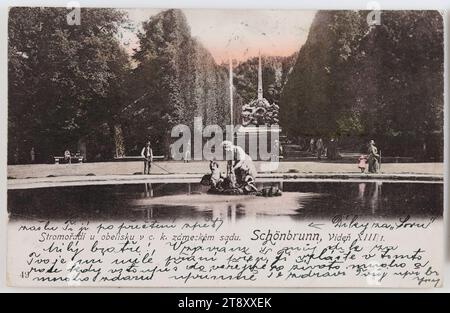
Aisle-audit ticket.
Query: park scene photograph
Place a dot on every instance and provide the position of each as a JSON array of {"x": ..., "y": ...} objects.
[
  {"x": 244, "y": 115},
  {"x": 223, "y": 148}
]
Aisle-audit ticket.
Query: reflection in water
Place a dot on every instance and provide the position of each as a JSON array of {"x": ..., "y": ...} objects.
[
  {"x": 370, "y": 194},
  {"x": 148, "y": 191},
  {"x": 375, "y": 202},
  {"x": 190, "y": 201},
  {"x": 361, "y": 189}
]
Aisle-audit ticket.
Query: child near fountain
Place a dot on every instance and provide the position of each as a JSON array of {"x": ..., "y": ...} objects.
[
  {"x": 216, "y": 176},
  {"x": 362, "y": 164}
]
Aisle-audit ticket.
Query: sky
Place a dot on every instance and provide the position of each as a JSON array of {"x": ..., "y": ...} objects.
[{"x": 236, "y": 34}]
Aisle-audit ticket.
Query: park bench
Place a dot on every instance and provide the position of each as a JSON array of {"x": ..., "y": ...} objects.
[
  {"x": 397, "y": 159},
  {"x": 77, "y": 158}
]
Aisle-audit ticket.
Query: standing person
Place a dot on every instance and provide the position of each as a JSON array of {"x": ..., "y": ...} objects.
[
  {"x": 147, "y": 154},
  {"x": 312, "y": 145},
  {"x": 277, "y": 150},
  {"x": 332, "y": 152},
  {"x": 374, "y": 158},
  {"x": 187, "y": 153},
  {"x": 172, "y": 157},
  {"x": 67, "y": 156},
  {"x": 319, "y": 148},
  {"x": 32, "y": 155},
  {"x": 331, "y": 149},
  {"x": 280, "y": 150}
]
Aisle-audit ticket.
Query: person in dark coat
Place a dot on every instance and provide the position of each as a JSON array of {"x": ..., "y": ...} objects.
[
  {"x": 373, "y": 158},
  {"x": 147, "y": 154}
]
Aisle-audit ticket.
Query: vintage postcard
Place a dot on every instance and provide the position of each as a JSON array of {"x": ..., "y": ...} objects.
[{"x": 225, "y": 148}]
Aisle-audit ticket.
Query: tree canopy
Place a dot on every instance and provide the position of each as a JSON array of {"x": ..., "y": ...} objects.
[
  {"x": 382, "y": 82},
  {"x": 175, "y": 80},
  {"x": 65, "y": 80},
  {"x": 72, "y": 86}
]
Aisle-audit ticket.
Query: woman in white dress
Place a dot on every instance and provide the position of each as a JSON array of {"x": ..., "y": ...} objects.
[{"x": 241, "y": 166}]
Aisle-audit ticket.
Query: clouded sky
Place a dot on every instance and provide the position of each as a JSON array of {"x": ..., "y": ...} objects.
[{"x": 239, "y": 34}]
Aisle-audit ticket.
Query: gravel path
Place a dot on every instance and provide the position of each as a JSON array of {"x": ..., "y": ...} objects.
[{"x": 201, "y": 167}]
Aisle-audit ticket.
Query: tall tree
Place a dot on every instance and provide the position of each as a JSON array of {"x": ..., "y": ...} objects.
[
  {"x": 383, "y": 81},
  {"x": 63, "y": 79},
  {"x": 175, "y": 80}
]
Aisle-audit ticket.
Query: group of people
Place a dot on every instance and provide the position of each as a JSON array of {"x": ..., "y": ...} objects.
[
  {"x": 241, "y": 171},
  {"x": 318, "y": 148},
  {"x": 68, "y": 156},
  {"x": 372, "y": 161},
  {"x": 240, "y": 176}
]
